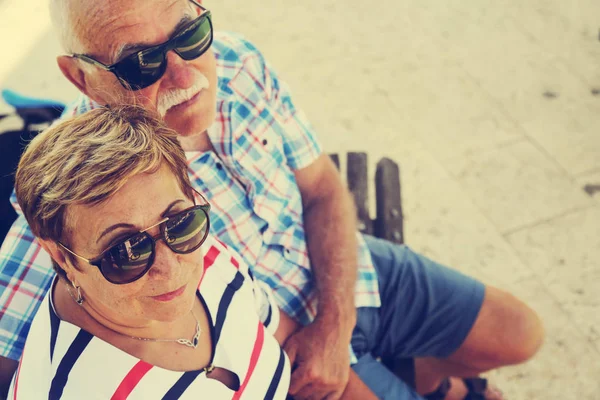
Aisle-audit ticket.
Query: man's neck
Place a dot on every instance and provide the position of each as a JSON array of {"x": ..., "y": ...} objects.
[{"x": 199, "y": 142}]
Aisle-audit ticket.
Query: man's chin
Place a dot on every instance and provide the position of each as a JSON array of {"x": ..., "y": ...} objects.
[
  {"x": 191, "y": 120},
  {"x": 189, "y": 126}
]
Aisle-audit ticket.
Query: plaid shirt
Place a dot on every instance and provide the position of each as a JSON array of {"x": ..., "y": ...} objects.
[{"x": 259, "y": 139}]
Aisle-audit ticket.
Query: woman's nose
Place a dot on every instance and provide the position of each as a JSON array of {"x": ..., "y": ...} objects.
[{"x": 165, "y": 263}]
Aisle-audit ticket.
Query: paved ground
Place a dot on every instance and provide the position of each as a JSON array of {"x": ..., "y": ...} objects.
[{"x": 491, "y": 109}]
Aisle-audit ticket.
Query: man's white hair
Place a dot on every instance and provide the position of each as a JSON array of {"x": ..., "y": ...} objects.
[{"x": 61, "y": 14}]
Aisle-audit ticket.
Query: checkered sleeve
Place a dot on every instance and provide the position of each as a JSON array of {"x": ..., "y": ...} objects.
[
  {"x": 25, "y": 276},
  {"x": 300, "y": 142}
]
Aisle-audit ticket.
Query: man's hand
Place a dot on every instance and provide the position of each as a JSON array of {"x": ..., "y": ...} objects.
[{"x": 320, "y": 361}]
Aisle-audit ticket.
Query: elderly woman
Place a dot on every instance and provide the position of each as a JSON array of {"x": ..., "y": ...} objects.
[{"x": 146, "y": 304}]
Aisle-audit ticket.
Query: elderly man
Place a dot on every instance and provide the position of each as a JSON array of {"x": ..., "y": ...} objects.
[{"x": 280, "y": 203}]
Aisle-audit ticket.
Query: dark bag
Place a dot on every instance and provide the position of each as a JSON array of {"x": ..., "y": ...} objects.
[{"x": 35, "y": 114}]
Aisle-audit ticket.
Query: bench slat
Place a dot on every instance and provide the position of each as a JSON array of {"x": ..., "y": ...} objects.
[
  {"x": 389, "y": 222},
  {"x": 356, "y": 169}
]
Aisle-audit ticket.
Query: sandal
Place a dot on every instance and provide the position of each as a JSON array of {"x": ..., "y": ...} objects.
[{"x": 476, "y": 389}]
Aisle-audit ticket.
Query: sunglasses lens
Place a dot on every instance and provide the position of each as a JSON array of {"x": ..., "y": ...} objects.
[
  {"x": 195, "y": 40},
  {"x": 128, "y": 260},
  {"x": 142, "y": 69},
  {"x": 185, "y": 232}
]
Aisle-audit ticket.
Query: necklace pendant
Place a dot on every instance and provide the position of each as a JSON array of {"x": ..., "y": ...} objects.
[
  {"x": 194, "y": 342},
  {"x": 188, "y": 343}
]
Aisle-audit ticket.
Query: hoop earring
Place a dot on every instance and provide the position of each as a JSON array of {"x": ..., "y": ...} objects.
[{"x": 79, "y": 299}]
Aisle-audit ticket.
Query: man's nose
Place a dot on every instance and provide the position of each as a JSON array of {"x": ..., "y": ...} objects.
[{"x": 179, "y": 72}]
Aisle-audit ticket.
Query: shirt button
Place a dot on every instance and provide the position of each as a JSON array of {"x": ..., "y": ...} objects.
[
  {"x": 287, "y": 251},
  {"x": 264, "y": 142},
  {"x": 218, "y": 165}
]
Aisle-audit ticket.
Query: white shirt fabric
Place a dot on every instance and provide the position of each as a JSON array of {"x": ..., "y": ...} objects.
[{"x": 63, "y": 361}]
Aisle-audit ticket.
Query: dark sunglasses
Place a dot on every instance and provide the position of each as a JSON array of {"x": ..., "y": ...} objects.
[
  {"x": 130, "y": 259},
  {"x": 145, "y": 67}
]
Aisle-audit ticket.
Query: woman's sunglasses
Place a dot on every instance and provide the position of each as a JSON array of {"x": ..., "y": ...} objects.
[
  {"x": 130, "y": 259},
  {"x": 145, "y": 67}
]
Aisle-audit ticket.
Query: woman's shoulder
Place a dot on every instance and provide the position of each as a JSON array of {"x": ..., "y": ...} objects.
[
  {"x": 221, "y": 261},
  {"x": 34, "y": 375}
]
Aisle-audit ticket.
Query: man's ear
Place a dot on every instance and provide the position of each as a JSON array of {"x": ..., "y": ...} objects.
[
  {"x": 60, "y": 256},
  {"x": 71, "y": 69}
]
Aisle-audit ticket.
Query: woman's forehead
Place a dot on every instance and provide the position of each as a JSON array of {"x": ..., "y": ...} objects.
[{"x": 140, "y": 202}]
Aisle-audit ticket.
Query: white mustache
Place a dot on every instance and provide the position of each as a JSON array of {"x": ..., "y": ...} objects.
[{"x": 174, "y": 97}]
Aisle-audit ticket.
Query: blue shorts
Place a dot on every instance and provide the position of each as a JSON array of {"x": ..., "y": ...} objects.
[{"x": 427, "y": 310}]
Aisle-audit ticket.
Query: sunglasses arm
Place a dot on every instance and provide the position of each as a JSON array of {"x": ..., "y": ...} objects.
[
  {"x": 73, "y": 253},
  {"x": 198, "y": 5},
  {"x": 90, "y": 60}
]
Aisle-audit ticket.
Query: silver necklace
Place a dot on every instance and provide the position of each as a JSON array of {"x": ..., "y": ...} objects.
[{"x": 185, "y": 342}]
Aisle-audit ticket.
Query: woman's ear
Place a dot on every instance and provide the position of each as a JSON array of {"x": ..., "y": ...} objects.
[{"x": 60, "y": 256}]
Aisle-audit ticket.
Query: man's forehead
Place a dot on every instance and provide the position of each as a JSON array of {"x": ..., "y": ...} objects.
[{"x": 109, "y": 26}]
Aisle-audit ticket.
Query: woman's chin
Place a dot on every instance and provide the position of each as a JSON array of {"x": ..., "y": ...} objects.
[{"x": 174, "y": 309}]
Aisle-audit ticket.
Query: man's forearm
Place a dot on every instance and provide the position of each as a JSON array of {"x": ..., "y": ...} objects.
[{"x": 330, "y": 223}]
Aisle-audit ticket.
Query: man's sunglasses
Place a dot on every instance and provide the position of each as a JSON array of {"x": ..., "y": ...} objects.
[
  {"x": 145, "y": 67},
  {"x": 130, "y": 259}
]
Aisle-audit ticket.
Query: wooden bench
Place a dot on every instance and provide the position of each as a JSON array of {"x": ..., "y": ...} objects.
[{"x": 388, "y": 223}]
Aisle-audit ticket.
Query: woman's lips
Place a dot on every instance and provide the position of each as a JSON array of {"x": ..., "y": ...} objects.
[{"x": 171, "y": 295}]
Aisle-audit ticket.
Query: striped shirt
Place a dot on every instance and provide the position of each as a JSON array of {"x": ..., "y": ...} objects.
[
  {"x": 260, "y": 139},
  {"x": 63, "y": 361}
]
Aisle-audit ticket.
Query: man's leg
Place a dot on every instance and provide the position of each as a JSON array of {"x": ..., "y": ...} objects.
[
  {"x": 373, "y": 373},
  {"x": 506, "y": 332},
  {"x": 452, "y": 324},
  {"x": 382, "y": 381}
]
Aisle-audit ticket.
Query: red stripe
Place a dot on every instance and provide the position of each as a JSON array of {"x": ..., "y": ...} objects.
[
  {"x": 258, "y": 344},
  {"x": 209, "y": 259},
  {"x": 131, "y": 380},
  {"x": 222, "y": 120},
  {"x": 235, "y": 263}
]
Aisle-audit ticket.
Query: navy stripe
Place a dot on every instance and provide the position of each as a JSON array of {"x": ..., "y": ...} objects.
[
  {"x": 276, "y": 378},
  {"x": 66, "y": 364},
  {"x": 54, "y": 324},
  {"x": 232, "y": 287},
  {"x": 182, "y": 384},
  {"x": 268, "y": 319}
]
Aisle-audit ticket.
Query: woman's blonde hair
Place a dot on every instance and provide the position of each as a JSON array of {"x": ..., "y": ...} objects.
[{"x": 86, "y": 159}]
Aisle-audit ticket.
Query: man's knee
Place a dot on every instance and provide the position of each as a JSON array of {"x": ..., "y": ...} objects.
[
  {"x": 506, "y": 332},
  {"x": 523, "y": 334}
]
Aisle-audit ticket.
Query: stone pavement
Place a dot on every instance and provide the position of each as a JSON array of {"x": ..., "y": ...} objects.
[{"x": 490, "y": 108}]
